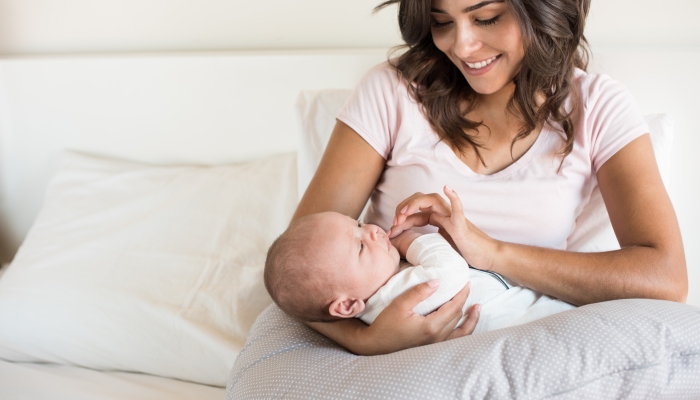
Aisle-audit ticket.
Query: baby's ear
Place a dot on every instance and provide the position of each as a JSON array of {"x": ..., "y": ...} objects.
[{"x": 344, "y": 307}]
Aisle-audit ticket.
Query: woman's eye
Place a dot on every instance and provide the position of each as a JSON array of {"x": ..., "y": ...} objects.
[
  {"x": 487, "y": 22},
  {"x": 438, "y": 25}
]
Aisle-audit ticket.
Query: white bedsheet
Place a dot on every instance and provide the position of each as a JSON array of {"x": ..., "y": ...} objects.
[{"x": 20, "y": 381}]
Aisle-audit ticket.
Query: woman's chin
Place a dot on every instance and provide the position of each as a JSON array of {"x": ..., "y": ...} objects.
[{"x": 484, "y": 88}]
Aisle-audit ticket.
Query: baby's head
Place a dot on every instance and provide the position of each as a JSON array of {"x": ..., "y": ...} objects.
[{"x": 325, "y": 266}]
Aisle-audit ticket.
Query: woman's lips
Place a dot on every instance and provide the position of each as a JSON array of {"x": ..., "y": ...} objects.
[{"x": 480, "y": 70}]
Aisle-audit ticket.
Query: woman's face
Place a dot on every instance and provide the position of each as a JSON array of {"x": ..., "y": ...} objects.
[{"x": 482, "y": 37}]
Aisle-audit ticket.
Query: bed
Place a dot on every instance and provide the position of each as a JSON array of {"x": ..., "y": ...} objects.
[{"x": 142, "y": 192}]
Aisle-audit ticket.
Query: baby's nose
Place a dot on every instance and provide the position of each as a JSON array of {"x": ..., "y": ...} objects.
[{"x": 376, "y": 232}]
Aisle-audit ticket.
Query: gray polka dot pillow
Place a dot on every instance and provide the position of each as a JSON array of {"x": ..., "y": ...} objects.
[{"x": 618, "y": 349}]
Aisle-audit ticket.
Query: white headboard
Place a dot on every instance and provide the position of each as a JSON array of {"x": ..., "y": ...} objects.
[
  {"x": 196, "y": 108},
  {"x": 210, "y": 108}
]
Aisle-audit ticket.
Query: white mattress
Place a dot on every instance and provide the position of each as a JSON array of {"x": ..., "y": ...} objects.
[{"x": 20, "y": 381}]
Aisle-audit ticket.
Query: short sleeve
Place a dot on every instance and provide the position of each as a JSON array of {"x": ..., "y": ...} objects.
[
  {"x": 373, "y": 108},
  {"x": 613, "y": 117}
]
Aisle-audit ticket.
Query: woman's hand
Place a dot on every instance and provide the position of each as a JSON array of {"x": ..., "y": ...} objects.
[
  {"x": 398, "y": 327},
  {"x": 431, "y": 209}
]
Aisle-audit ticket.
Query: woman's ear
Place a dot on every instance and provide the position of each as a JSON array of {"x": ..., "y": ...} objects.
[{"x": 344, "y": 307}]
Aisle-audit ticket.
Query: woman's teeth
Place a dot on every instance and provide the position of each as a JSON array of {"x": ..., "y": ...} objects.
[{"x": 482, "y": 64}]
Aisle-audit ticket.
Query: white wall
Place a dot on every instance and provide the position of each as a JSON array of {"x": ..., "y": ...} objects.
[
  {"x": 30, "y": 27},
  {"x": 57, "y": 26}
]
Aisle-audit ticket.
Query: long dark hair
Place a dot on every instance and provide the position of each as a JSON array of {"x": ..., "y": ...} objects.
[{"x": 554, "y": 44}]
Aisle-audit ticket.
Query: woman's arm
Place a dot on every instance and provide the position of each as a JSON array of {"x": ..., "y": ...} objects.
[
  {"x": 349, "y": 170},
  {"x": 650, "y": 264},
  {"x": 346, "y": 176}
]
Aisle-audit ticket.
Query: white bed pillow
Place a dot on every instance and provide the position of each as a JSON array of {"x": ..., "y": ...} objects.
[
  {"x": 145, "y": 268},
  {"x": 593, "y": 232}
]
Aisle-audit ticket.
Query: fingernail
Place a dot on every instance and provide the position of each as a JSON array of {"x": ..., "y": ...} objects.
[
  {"x": 478, "y": 308},
  {"x": 449, "y": 188},
  {"x": 403, "y": 210},
  {"x": 433, "y": 283}
]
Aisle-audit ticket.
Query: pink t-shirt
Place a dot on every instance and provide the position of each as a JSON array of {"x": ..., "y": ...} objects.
[{"x": 528, "y": 202}]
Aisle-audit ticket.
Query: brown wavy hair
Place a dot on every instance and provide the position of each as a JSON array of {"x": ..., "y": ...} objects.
[{"x": 554, "y": 44}]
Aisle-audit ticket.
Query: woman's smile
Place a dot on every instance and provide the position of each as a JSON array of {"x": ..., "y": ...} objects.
[
  {"x": 480, "y": 68},
  {"x": 481, "y": 64}
]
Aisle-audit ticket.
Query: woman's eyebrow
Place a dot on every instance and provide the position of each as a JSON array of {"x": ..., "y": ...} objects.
[{"x": 470, "y": 8}]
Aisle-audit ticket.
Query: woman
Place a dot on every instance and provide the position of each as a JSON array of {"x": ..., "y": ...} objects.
[{"x": 491, "y": 98}]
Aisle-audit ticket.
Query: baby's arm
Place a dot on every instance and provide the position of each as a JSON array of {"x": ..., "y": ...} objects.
[
  {"x": 433, "y": 258},
  {"x": 433, "y": 252},
  {"x": 404, "y": 241}
]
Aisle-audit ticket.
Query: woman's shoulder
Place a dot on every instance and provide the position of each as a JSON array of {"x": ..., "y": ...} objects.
[
  {"x": 384, "y": 75},
  {"x": 610, "y": 115},
  {"x": 596, "y": 89},
  {"x": 383, "y": 85}
]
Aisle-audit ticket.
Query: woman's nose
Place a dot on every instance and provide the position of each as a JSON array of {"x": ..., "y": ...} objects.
[{"x": 466, "y": 42}]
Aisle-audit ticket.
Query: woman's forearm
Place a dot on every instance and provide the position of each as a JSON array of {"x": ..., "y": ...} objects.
[
  {"x": 583, "y": 278},
  {"x": 346, "y": 332},
  {"x": 651, "y": 263}
]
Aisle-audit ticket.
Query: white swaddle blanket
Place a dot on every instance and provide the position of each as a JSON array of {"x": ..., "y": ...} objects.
[{"x": 431, "y": 257}]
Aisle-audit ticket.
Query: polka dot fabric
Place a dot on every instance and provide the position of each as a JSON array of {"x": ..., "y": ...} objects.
[{"x": 626, "y": 349}]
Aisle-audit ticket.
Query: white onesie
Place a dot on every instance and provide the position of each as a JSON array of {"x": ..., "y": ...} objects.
[{"x": 432, "y": 257}]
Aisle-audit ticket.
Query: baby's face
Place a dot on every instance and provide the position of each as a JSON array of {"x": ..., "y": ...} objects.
[{"x": 362, "y": 256}]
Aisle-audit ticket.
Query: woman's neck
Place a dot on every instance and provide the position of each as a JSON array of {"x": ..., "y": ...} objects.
[{"x": 494, "y": 107}]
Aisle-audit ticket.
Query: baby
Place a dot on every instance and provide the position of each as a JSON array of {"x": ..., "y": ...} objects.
[{"x": 328, "y": 266}]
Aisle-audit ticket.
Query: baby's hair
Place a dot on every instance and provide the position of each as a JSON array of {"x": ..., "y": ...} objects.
[{"x": 293, "y": 282}]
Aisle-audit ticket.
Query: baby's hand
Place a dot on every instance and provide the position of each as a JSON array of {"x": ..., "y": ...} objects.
[{"x": 403, "y": 241}]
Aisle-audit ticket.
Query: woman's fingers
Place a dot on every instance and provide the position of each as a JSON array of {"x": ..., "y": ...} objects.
[
  {"x": 409, "y": 299},
  {"x": 399, "y": 327},
  {"x": 432, "y": 202},
  {"x": 449, "y": 329},
  {"x": 403, "y": 206},
  {"x": 417, "y": 219},
  {"x": 445, "y": 318},
  {"x": 455, "y": 202},
  {"x": 469, "y": 324}
]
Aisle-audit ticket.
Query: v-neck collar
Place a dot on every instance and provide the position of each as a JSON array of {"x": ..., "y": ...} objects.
[{"x": 444, "y": 151}]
